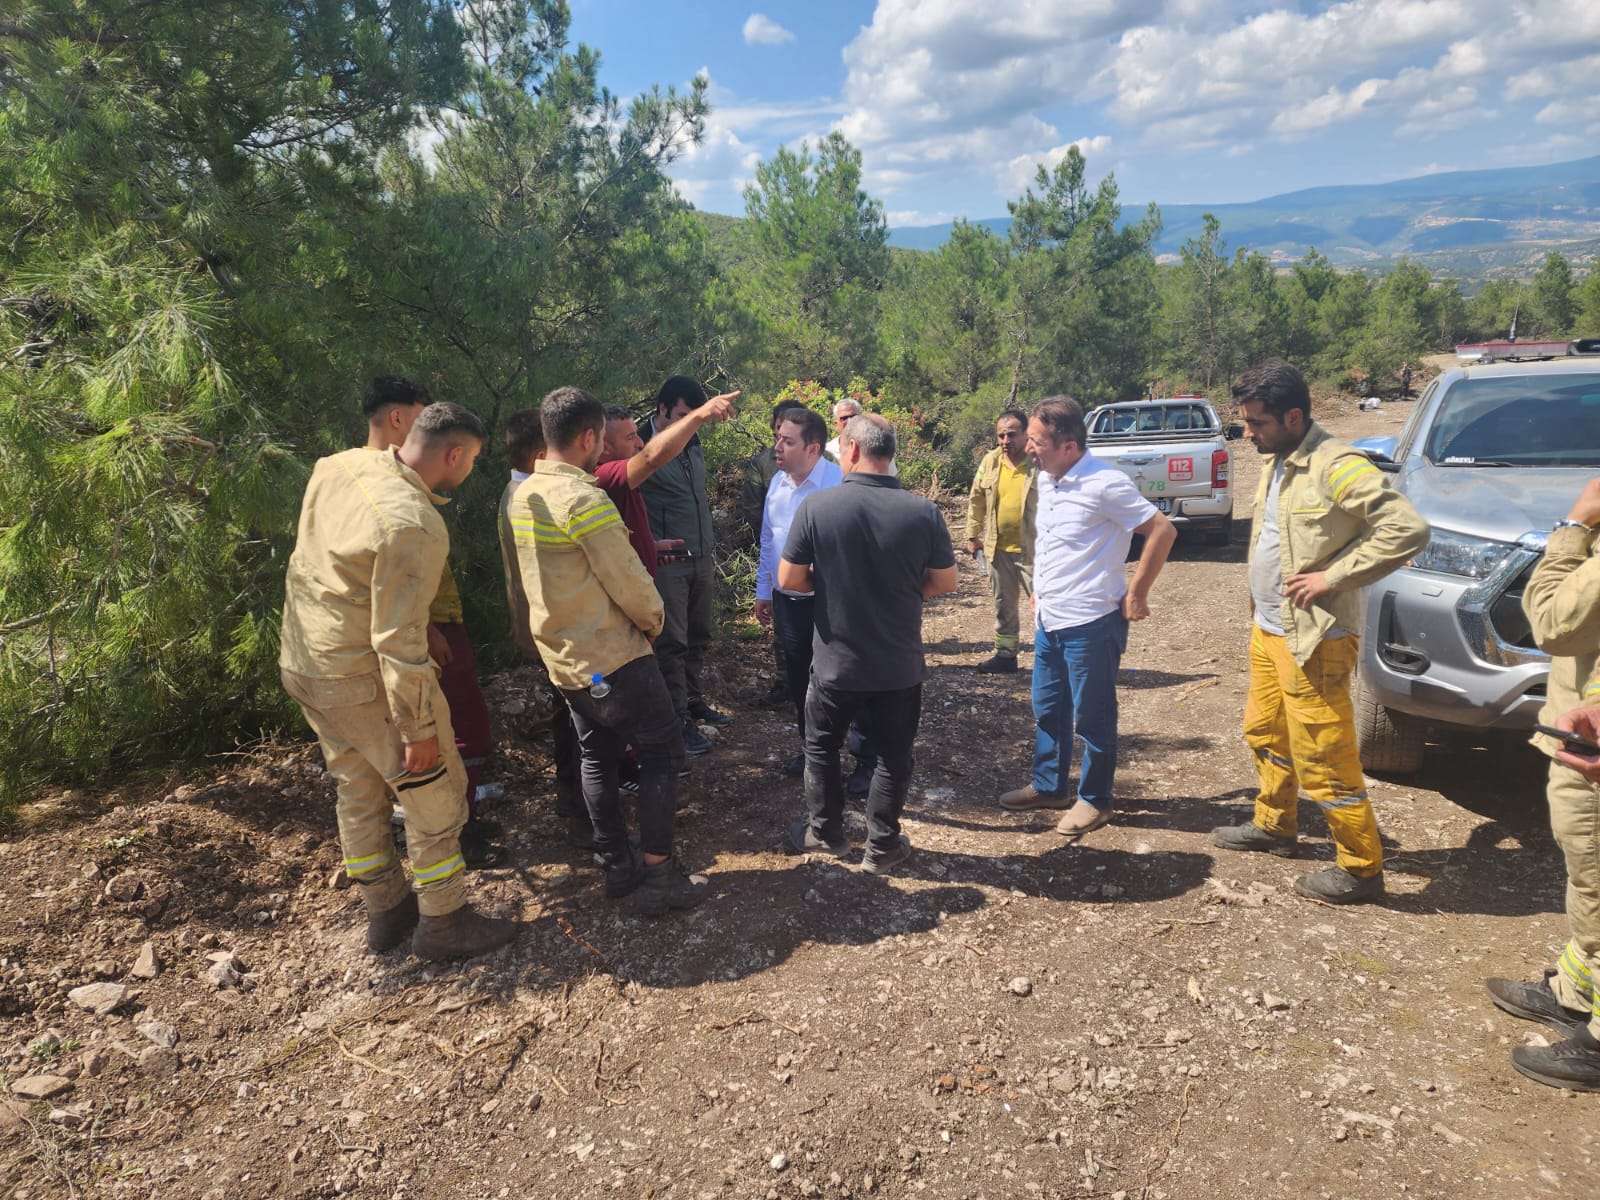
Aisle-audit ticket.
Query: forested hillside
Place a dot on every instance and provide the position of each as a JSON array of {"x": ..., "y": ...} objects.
[{"x": 212, "y": 231}]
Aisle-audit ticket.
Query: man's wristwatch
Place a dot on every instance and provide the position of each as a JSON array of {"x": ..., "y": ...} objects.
[{"x": 1569, "y": 523}]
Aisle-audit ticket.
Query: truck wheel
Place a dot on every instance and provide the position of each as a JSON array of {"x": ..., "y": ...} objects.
[
  {"x": 1222, "y": 533},
  {"x": 1391, "y": 743}
]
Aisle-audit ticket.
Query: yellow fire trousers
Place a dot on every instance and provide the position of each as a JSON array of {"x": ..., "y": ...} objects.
[
  {"x": 1300, "y": 723},
  {"x": 362, "y": 748},
  {"x": 1575, "y": 821}
]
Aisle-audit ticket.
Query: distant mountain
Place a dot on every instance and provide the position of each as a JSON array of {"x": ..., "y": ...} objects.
[{"x": 1466, "y": 222}]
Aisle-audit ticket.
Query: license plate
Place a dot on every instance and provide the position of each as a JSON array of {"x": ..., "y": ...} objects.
[{"x": 1162, "y": 504}]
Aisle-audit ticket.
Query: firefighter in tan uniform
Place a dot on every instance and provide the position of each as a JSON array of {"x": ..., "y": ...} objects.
[
  {"x": 1562, "y": 601},
  {"x": 354, "y": 655},
  {"x": 1327, "y": 523}
]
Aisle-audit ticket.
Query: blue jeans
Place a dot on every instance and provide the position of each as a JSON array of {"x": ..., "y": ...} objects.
[{"x": 1075, "y": 681}]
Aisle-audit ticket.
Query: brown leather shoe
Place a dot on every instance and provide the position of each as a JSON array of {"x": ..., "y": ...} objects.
[
  {"x": 1025, "y": 799},
  {"x": 461, "y": 934},
  {"x": 1082, "y": 818},
  {"x": 387, "y": 929}
]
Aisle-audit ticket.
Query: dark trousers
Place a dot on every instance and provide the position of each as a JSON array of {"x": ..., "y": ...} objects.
[
  {"x": 686, "y": 590},
  {"x": 792, "y": 629},
  {"x": 569, "y": 764},
  {"x": 638, "y": 711},
  {"x": 892, "y": 718},
  {"x": 469, "y": 712}
]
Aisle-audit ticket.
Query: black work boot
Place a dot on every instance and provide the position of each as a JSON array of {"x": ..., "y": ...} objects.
[
  {"x": 1572, "y": 1064},
  {"x": 1335, "y": 885},
  {"x": 1535, "y": 1002},
  {"x": 387, "y": 929},
  {"x": 804, "y": 840},
  {"x": 706, "y": 715},
  {"x": 694, "y": 742},
  {"x": 998, "y": 664},
  {"x": 883, "y": 862},
  {"x": 1251, "y": 836},
  {"x": 668, "y": 885},
  {"x": 624, "y": 872},
  {"x": 460, "y": 934}
]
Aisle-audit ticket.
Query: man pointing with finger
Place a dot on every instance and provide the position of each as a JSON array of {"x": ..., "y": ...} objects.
[{"x": 1088, "y": 514}]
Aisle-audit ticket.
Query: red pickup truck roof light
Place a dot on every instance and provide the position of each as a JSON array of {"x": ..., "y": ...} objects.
[{"x": 1219, "y": 468}]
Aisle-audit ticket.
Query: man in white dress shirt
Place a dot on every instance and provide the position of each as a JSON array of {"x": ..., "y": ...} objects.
[
  {"x": 1088, "y": 514},
  {"x": 802, "y": 471}
]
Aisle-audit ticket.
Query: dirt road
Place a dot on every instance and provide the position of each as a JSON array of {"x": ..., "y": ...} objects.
[{"x": 1139, "y": 1016}]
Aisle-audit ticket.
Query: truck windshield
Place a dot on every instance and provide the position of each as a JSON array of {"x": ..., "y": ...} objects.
[
  {"x": 1164, "y": 418},
  {"x": 1524, "y": 420}
]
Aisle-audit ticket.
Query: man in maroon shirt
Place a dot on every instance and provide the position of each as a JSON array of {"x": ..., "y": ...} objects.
[{"x": 626, "y": 461}]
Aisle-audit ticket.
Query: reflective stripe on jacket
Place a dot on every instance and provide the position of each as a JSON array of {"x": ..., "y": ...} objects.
[
  {"x": 365, "y": 567},
  {"x": 1562, "y": 603},
  {"x": 1339, "y": 514},
  {"x": 592, "y": 606},
  {"x": 516, "y": 598},
  {"x": 983, "y": 506}
]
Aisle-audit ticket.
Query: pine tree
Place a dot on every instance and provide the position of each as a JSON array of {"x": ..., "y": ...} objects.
[{"x": 164, "y": 313}]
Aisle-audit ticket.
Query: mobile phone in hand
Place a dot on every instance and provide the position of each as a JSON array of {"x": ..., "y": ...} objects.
[{"x": 1576, "y": 743}]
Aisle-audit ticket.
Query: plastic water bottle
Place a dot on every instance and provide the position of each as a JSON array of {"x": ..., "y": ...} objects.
[{"x": 598, "y": 687}]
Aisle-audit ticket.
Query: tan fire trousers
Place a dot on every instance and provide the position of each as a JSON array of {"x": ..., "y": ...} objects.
[
  {"x": 1009, "y": 580},
  {"x": 365, "y": 756},
  {"x": 1575, "y": 821}
]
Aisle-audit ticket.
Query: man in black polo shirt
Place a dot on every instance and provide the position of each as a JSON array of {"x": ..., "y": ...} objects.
[{"x": 871, "y": 552}]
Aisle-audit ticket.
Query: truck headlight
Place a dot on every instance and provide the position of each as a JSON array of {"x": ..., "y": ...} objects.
[{"x": 1451, "y": 553}]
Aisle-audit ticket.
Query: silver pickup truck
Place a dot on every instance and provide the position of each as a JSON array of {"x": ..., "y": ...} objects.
[
  {"x": 1176, "y": 451},
  {"x": 1492, "y": 455}
]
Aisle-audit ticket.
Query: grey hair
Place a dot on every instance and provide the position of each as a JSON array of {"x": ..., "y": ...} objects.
[
  {"x": 875, "y": 440},
  {"x": 851, "y": 406}
]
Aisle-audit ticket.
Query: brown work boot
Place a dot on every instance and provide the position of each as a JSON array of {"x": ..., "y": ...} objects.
[
  {"x": 1082, "y": 818},
  {"x": 668, "y": 885},
  {"x": 1023, "y": 799},
  {"x": 460, "y": 934},
  {"x": 388, "y": 928}
]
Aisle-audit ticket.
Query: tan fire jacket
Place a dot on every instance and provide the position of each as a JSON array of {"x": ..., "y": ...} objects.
[
  {"x": 591, "y": 604},
  {"x": 365, "y": 567},
  {"x": 1339, "y": 514},
  {"x": 1562, "y": 602},
  {"x": 983, "y": 506},
  {"x": 516, "y": 598}
]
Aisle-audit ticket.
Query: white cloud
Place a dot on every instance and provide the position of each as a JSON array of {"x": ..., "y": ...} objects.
[
  {"x": 944, "y": 84},
  {"x": 737, "y": 137},
  {"x": 1020, "y": 171},
  {"x": 898, "y": 217},
  {"x": 762, "y": 30},
  {"x": 1574, "y": 112}
]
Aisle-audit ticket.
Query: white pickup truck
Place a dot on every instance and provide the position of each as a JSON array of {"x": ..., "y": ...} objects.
[{"x": 1176, "y": 451}]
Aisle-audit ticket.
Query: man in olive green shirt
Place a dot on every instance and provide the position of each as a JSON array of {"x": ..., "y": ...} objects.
[{"x": 1001, "y": 512}]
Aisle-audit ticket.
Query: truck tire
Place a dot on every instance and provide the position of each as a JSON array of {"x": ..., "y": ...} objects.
[
  {"x": 1221, "y": 533},
  {"x": 1391, "y": 743}
]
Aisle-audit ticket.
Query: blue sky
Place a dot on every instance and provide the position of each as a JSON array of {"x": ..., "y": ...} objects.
[{"x": 954, "y": 102}]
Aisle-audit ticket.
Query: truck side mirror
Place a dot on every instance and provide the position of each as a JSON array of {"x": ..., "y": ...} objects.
[
  {"x": 1381, "y": 450},
  {"x": 1233, "y": 432}
]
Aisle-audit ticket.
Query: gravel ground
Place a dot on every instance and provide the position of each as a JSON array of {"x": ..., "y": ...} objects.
[{"x": 1137, "y": 1016}]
